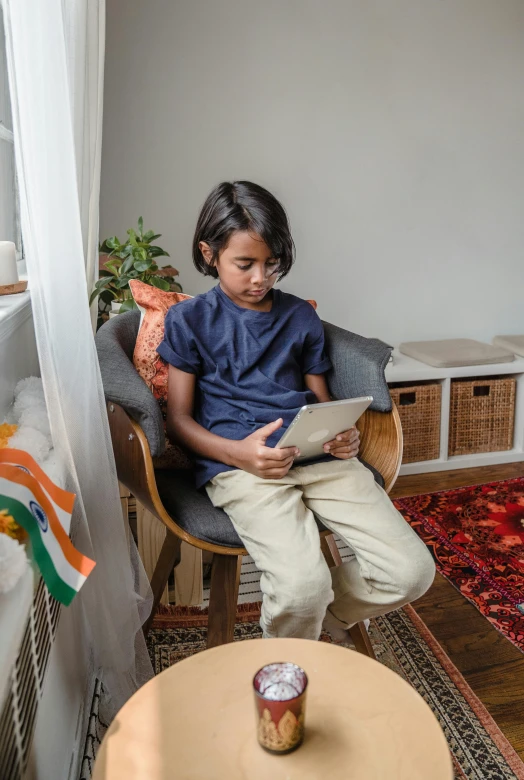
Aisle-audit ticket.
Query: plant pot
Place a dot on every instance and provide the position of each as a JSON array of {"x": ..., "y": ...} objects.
[{"x": 115, "y": 308}]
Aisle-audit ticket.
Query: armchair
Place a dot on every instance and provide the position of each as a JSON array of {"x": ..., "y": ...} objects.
[{"x": 138, "y": 437}]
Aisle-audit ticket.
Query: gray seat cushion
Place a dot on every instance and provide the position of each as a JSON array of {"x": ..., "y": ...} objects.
[
  {"x": 193, "y": 511},
  {"x": 448, "y": 353}
]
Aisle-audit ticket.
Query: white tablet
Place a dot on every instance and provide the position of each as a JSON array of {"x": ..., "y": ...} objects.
[{"x": 317, "y": 424}]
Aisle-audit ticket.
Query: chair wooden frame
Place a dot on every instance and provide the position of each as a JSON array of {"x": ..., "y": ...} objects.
[{"x": 380, "y": 446}]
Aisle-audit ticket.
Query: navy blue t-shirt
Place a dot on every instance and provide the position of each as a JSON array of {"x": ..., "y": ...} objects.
[{"x": 249, "y": 364}]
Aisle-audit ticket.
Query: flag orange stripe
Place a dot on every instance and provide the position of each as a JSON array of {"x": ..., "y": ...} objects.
[
  {"x": 73, "y": 557},
  {"x": 62, "y": 498}
]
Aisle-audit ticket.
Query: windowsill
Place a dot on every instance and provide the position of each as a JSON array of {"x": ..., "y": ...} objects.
[{"x": 14, "y": 309}]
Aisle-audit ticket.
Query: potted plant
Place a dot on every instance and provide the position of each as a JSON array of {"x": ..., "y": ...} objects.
[{"x": 136, "y": 258}]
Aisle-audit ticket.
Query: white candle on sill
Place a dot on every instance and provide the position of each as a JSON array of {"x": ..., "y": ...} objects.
[{"x": 8, "y": 269}]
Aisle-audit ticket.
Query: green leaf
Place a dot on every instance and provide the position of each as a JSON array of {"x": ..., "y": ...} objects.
[
  {"x": 128, "y": 305},
  {"x": 92, "y": 297},
  {"x": 142, "y": 265},
  {"x": 157, "y": 251},
  {"x": 127, "y": 265},
  {"x": 122, "y": 282},
  {"x": 112, "y": 243},
  {"x": 141, "y": 225},
  {"x": 139, "y": 254},
  {"x": 113, "y": 267},
  {"x": 148, "y": 237},
  {"x": 154, "y": 237},
  {"x": 132, "y": 236},
  {"x": 101, "y": 283},
  {"x": 103, "y": 273},
  {"x": 157, "y": 281}
]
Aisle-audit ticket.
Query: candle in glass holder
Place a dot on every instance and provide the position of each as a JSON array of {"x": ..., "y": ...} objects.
[
  {"x": 8, "y": 269},
  {"x": 280, "y": 695}
]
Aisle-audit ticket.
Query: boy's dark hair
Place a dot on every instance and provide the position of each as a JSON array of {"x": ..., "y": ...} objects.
[{"x": 242, "y": 205}]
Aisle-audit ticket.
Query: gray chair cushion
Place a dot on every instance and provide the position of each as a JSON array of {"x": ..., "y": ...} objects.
[
  {"x": 193, "y": 511},
  {"x": 115, "y": 342},
  {"x": 358, "y": 366}
]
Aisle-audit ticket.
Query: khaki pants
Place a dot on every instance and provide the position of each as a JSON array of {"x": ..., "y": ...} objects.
[{"x": 276, "y": 521}]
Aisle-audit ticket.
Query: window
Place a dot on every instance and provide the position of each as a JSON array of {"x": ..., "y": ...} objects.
[{"x": 9, "y": 213}]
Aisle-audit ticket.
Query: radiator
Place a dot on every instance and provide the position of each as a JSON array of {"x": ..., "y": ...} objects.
[{"x": 25, "y": 688}]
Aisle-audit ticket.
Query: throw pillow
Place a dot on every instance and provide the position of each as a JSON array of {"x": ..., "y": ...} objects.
[{"x": 154, "y": 304}]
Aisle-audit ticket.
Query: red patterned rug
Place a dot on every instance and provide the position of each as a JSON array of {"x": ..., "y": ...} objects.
[{"x": 476, "y": 536}]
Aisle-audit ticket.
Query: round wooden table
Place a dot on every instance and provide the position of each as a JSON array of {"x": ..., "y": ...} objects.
[{"x": 196, "y": 721}]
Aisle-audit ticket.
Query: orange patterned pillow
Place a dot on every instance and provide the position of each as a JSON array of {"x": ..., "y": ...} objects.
[{"x": 154, "y": 304}]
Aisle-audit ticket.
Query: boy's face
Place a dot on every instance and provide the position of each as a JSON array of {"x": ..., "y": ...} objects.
[{"x": 246, "y": 269}]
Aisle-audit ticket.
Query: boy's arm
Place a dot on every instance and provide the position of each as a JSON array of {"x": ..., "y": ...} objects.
[
  {"x": 249, "y": 454},
  {"x": 318, "y": 385},
  {"x": 346, "y": 444}
]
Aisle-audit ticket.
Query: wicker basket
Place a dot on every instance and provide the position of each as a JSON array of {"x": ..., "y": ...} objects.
[
  {"x": 419, "y": 410},
  {"x": 481, "y": 415}
]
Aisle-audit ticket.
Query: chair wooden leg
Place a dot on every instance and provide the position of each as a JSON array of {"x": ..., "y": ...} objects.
[
  {"x": 358, "y": 632},
  {"x": 223, "y": 595},
  {"x": 167, "y": 560},
  {"x": 330, "y": 551},
  {"x": 361, "y": 640}
]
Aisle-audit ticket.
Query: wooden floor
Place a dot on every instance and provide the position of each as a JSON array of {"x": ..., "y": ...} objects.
[{"x": 492, "y": 666}]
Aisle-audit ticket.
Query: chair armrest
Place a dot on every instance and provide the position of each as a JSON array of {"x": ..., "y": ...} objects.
[
  {"x": 115, "y": 342},
  {"x": 381, "y": 443},
  {"x": 358, "y": 367}
]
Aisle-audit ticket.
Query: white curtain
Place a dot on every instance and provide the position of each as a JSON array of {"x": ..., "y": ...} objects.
[
  {"x": 84, "y": 33},
  {"x": 55, "y": 64}
]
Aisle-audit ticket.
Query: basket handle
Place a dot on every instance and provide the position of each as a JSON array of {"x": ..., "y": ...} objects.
[
  {"x": 480, "y": 390},
  {"x": 408, "y": 399}
]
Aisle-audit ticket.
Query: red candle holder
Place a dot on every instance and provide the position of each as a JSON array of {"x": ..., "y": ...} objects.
[{"x": 280, "y": 695}]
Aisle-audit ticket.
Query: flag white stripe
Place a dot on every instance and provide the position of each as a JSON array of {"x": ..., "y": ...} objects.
[
  {"x": 63, "y": 516},
  {"x": 65, "y": 571}
]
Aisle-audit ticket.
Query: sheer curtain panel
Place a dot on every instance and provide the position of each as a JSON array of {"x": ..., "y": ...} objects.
[{"x": 55, "y": 56}]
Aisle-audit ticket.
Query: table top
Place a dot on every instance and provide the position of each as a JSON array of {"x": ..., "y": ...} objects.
[{"x": 197, "y": 720}]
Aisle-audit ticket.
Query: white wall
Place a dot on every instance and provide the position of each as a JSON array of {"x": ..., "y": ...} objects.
[{"x": 392, "y": 131}]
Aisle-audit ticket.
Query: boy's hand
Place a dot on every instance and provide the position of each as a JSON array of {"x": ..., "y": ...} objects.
[
  {"x": 251, "y": 454},
  {"x": 345, "y": 445}
]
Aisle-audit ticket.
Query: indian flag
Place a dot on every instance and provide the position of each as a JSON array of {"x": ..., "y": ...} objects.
[{"x": 44, "y": 510}]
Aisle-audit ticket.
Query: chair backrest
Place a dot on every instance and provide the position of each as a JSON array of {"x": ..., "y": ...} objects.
[
  {"x": 358, "y": 369},
  {"x": 115, "y": 342}
]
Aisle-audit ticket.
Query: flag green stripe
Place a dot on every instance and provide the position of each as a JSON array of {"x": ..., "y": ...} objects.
[{"x": 59, "y": 589}]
